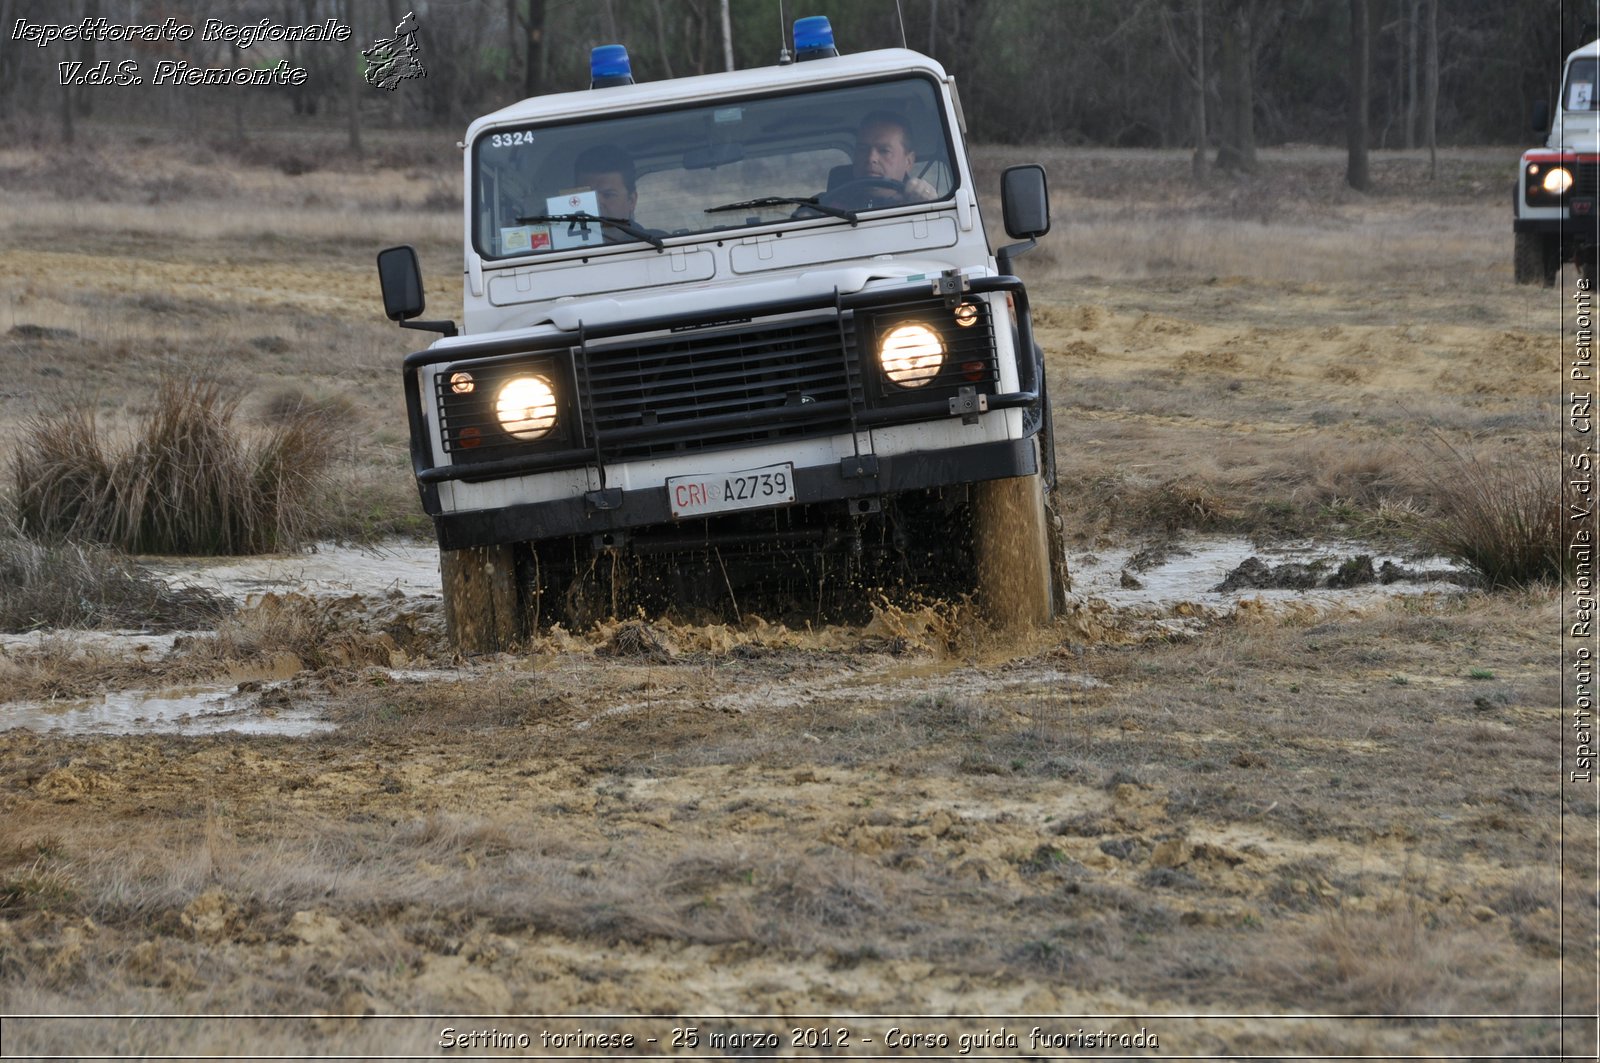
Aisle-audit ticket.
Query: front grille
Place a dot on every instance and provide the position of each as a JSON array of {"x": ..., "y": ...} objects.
[
  {"x": 746, "y": 374},
  {"x": 1587, "y": 182}
]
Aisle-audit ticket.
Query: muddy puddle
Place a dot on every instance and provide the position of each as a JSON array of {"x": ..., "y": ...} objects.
[
  {"x": 1167, "y": 579},
  {"x": 245, "y": 708},
  {"x": 389, "y": 570},
  {"x": 395, "y": 572},
  {"x": 1217, "y": 573}
]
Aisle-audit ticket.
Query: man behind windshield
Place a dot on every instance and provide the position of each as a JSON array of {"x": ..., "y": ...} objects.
[
  {"x": 883, "y": 150},
  {"x": 609, "y": 170}
]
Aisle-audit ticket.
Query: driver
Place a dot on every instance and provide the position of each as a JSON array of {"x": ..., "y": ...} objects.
[
  {"x": 609, "y": 170},
  {"x": 883, "y": 149}
]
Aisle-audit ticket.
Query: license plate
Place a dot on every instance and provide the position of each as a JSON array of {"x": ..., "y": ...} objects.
[{"x": 721, "y": 492}]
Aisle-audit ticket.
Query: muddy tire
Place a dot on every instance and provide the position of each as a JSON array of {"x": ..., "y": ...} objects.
[
  {"x": 482, "y": 610},
  {"x": 1011, "y": 543},
  {"x": 1535, "y": 260},
  {"x": 1528, "y": 259}
]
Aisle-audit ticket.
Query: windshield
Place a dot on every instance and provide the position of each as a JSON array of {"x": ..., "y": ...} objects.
[
  {"x": 1580, "y": 94},
  {"x": 834, "y": 152}
]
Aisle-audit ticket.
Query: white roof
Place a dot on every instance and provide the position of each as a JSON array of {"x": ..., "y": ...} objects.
[
  {"x": 622, "y": 98},
  {"x": 1592, "y": 50}
]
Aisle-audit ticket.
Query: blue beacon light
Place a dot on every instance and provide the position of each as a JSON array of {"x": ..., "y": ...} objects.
[
  {"x": 813, "y": 38},
  {"x": 608, "y": 65}
]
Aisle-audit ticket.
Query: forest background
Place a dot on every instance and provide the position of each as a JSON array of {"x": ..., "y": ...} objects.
[{"x": 1228, "y": 75}]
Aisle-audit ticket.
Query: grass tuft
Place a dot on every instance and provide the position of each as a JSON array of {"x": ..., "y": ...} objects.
[
  {"x": 1502, "y": 519},
  {"x": 189, "y": 482},
  {"x": 74, "y": 585}
]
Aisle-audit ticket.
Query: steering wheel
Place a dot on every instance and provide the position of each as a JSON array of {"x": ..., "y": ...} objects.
[{"x": 857, "y": 194}]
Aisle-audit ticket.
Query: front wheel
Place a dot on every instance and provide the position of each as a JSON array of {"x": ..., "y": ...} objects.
[
  {"x": 482, "y": 610},
  {"x": 1012, "y": 536},
  {"x": 1536, "y": 259}
]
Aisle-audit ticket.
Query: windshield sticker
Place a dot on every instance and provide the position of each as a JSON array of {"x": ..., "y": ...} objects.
[
  {"x": 1582, "y": 96},
  {"x": 523, "y": 239},
  {"x": 578, "y": 232}
]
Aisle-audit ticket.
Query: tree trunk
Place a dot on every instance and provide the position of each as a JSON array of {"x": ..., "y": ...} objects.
[
  {"x": 1237, "y": 123},
  {"x": 533, "y": 49},
  {"x": 1199, "y": 161},
  {"x": 661, "y": 41},
  {"x": 353, "y": 81},
  {"x": 68, "y": 132},
  {"x": 1413, "y": 14},
  {"x": 1357, "y": 174},
  {"x": 1430, "y": 99},
  {"x": 1226, "y": 125},
  {"x": 86, "y": 52}
]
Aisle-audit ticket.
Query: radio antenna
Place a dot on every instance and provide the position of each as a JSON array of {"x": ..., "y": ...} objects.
[
  {"x": 783, "y": 37},
  {"x": 898, "y": 10}
]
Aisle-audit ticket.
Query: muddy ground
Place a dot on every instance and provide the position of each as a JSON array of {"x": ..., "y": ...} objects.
[{"x": 1271, "y": 808}]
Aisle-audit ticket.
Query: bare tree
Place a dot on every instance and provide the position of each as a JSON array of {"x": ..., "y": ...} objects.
[
  {"x": 1242, "y": 23},
  {"x": 1357, "y": 174},
  {"x": 354, "y": 82},
  {"x": 1413, "y": 16},
  {"x": 533, "y": 45},
  {"x": 1430, "y": 99},
  {"x": 1191, "y": 58}
]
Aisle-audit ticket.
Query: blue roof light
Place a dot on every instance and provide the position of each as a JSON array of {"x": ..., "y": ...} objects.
[
  {"x": 608, "y": 65},
  {"x": 813, "y": 38}
]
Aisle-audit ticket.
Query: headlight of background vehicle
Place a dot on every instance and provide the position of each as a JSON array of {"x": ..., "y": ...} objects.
[
  {"x": 526, "y": 407},
  {"x": 1547, "y": 183},
  {"x": 911, "y": 355}
]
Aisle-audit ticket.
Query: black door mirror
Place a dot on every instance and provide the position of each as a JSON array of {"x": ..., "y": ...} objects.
[
  {"x": 401, "y": 279},
  {"x": 1025, "y": 202},
  {"x": 1541, "y": 116}
]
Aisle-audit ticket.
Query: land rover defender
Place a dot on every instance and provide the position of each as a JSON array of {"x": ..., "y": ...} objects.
[
  {"x": 1553, "y": 202},
  {"x": 714, "y": 356}
]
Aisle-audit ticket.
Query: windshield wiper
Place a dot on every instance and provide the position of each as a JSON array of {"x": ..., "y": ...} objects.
[
  {"x": 788, "y": 201},
  {"x": 616, "y": 223}
]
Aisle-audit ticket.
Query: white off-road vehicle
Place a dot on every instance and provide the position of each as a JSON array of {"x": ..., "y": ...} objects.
[
  {"x": 1554, "y": 201},
  {"x": 716, "y": 357}
]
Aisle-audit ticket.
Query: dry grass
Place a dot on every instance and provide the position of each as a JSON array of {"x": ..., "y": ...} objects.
[
  {"x": 191, "y": 482},
  {"x": 1501, "y": 517},
  {"x": 317, "y": 633},
  {"x": 1396, "y": 958},
  {"x": 73, "y": 585}
]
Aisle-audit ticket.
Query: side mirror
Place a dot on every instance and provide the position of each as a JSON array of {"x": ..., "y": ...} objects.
[
  {"x": 1541, "y": 116},
  {"x": 1025, "y": 202},
  {"x": 401, "y": 279}
]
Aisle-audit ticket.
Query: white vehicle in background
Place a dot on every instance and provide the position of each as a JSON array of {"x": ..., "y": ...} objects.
[
  {"x": 747, "y": 374},
  {"x": 1554, "y": 202}
]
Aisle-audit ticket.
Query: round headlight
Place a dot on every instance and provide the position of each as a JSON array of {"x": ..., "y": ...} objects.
[
  {"x": 526, "y": 406},
  {"x": 911, "y": 355},
  {"x": 1557, "y": 180}
]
